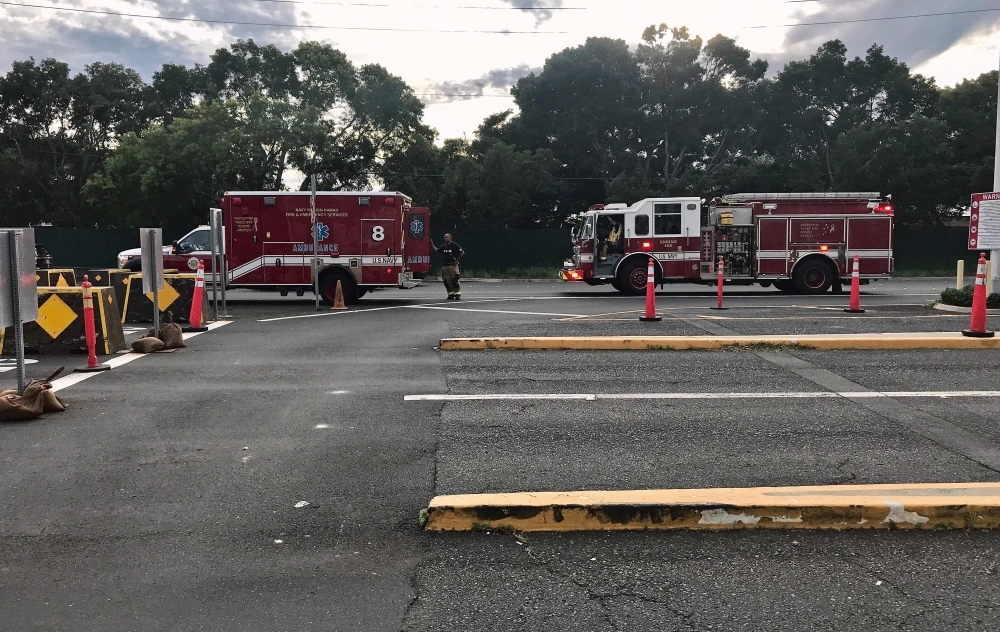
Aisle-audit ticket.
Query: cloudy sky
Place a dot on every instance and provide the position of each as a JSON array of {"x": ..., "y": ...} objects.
[{"x": 461, "y": 56}]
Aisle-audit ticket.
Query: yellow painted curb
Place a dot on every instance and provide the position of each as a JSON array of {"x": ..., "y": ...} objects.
[
  {"x": 916, "y": 506},
  {"x": 942, "y": 340}
]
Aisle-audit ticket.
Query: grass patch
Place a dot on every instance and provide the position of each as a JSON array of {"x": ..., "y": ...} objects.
[
  {"x": 963, "y": 297},
  {"x": 422, "y": 517}
]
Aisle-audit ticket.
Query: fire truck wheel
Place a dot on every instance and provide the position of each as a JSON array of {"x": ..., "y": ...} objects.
[
  {"x": 328, "y": 288},
  {"x": 632, "y": 277},
  {"x": 813, "y": 276}
]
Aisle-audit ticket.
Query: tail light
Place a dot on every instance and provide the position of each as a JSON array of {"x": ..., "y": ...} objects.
[{"x": 885, "y": 209}]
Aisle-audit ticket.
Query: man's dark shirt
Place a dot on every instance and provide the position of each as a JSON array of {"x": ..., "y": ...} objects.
[{"x": 450, "y": 252}]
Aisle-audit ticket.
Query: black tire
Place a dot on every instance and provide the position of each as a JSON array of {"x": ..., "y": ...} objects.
[
  {"x": 785, "y": 286},
  {"x": 632, "y": 277},
  {"x": 134, "y": 265},
  {"x": 328, "y": 288},
  {"x": 814, "y": 276}
]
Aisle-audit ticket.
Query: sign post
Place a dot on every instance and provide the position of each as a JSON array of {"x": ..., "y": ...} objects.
[
  {"x": 995, "y": 248},
  {"x": 315, "y": 231},
  {"x": 152, "y": 269},
  {"x": 219, "y": 272},
  {"x": 18, "y": 293},
  {"x": 212, "y": 227}
]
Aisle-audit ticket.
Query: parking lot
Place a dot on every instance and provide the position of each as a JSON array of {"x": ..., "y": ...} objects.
[{"x": 270, "y": 475}]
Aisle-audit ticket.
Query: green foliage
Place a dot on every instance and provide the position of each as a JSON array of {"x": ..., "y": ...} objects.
[
  {"x": 605, "y": 121},
  {"x": 963, "y": 297}
]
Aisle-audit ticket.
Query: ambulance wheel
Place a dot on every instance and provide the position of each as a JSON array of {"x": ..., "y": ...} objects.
[
  {"x": 632, "y": 277},
  {"x": 813, "y": 276},
  {"x": 328, "y": 288}
]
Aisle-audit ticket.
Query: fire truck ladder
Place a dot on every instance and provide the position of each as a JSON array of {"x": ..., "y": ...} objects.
[{"x": 749, "y": 197}]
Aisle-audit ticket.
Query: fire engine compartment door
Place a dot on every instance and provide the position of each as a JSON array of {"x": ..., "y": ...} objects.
[
  {"x": 380, "y": 261},
  {"x": 772, "y": 246},
  {"x": 245, "y": 250}
]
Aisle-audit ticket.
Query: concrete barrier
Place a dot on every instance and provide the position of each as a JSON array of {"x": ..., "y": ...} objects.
[
  {"x": 59, "y": 328},
  {"x": 56, "y": 277},
  {"x": 175, "y": 297}
]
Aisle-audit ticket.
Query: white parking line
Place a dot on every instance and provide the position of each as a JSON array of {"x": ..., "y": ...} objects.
[
  {"x": 66, "y": 381},
  {"x": 487, "y": 311},
  {"x": 377, "y": 309},
  {"x": 590, "y": 397}
]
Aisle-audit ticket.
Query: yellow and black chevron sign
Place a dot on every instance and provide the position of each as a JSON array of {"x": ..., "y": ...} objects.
[
  {"x": 55, "y": 277},
  {"x": 175, "y": 297},
  {"x": 59, "y": 328},
  {"x": 114, "y": 278}
]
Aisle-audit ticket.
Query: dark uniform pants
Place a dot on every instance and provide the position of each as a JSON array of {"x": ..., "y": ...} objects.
[{"x": 449, "y": 274}]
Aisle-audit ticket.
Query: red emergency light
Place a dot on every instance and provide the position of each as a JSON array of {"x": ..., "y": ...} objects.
[
  {"x": 647, "y": 245},
  {"x": 388, "y": 270},
  {"x": 237, "y": 201},
  {"x": 884, "y": 208},
  {"x": 390, "y": 201},
  {"x": 573, "y": 275}
]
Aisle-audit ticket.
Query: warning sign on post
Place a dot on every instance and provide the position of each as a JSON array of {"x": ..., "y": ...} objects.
[{"x": 984, "y": 222}]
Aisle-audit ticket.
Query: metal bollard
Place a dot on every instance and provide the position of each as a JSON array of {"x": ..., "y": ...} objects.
[{"x": 960, "y": 275}]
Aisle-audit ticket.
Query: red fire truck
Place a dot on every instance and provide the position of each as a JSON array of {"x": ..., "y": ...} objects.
[
  {"x": 366, "y": 240},
  {"x": 797, "y": 242}
]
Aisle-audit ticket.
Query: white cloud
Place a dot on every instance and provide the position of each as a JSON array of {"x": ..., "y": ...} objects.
[{"x": 432, "y": 61}]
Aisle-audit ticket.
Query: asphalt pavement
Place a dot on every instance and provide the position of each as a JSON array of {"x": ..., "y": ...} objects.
[{"x": 269, "y": 476}]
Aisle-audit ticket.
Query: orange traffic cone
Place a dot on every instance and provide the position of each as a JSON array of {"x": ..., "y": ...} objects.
[
  {"x": 338, "y": 300},
  {"x": 194, "y": 319},
  {"x": 977, "y": 324},
  {"x": 650, "y": 295},
  {"x": 855, "y": 307},
  {"x": 720, "y": 280},
  {"x": 90, "y": 332}
]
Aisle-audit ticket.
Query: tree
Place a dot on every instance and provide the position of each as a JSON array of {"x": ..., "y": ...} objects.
[
  {"x": 308, "y": 110},
  {"x": 970, "y": 110}
]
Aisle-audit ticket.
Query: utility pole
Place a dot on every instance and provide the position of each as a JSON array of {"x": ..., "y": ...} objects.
[{"x": 995, "y": 254}]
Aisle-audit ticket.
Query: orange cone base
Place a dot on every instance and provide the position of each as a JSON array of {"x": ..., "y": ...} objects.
[
  {"x": 646, "y": 319},
  {"x": 92, "y": 369},
  {"x": 854, "y": 311},
  {"x": 978, "y": 334},
  {"x": 190, "y": 329}
]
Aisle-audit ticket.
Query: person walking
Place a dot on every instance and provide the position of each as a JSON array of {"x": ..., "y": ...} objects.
[{"x": 451, "y": 253}]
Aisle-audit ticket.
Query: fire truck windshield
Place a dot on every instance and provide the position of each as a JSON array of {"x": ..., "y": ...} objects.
[{"x": 586, "y": 229}]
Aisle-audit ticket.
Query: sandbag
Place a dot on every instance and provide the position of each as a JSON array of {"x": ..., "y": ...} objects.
[
  {"x": 36, "y": 400},
  {"x": 147, "y": 344},
  {"x": 171, "y": 334}
]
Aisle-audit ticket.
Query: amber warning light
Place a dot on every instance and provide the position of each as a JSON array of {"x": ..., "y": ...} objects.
[
  {"x": 824, "y": 248},
  {"x": 572, "y": 275}
]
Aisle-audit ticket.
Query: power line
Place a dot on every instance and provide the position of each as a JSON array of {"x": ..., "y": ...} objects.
[
  {"x": 435, "y": 6},
  {"x": 893, "y": 17},
  {"x": 456, "y": 31},
  {"x": 277, "y": 25}
]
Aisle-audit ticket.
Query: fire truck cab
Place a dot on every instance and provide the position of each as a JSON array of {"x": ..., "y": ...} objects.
[{"x": 798, "y": 242}]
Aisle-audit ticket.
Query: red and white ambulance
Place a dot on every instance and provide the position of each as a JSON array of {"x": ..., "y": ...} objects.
[
  {"x": 798, "y": 242},
  {"x": 366, "y": 240}
]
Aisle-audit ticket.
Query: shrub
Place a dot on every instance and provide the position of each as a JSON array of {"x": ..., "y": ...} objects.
[{"x": 963, "y": 297}]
